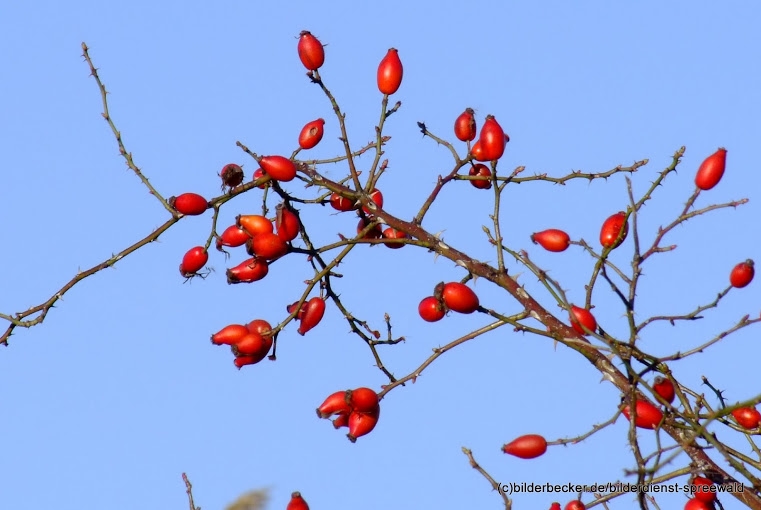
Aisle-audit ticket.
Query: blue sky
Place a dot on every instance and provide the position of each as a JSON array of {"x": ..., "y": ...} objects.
[{"x": 119, "y": 391}]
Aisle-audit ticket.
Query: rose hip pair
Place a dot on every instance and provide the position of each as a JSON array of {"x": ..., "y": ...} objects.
[
  {"x": 250, "y": 343},
  {"x": 357, "y": 409},
  {"x": 454, "y": 296}
]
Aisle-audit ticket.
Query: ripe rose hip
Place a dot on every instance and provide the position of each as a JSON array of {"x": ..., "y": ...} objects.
[
  {"x": 711, "y": 170},
  {"x": 295, "y": 306},
  {"x": 233, "y": 236},
  {"x": 664, "y": 388},
  {"x": 742, "y": 274},
  {"x": 459, "y": 297},
  {"x": 390, "y": 72},
  {"x": 248, "y": 271},
  {"x": 465, "y": 126},
  {"x": 552, "y": 239},
  {"x": 267, "y": 246},
  {"x": 259, "y": 326},
  {"x": 611, "y": 229},
  {"x": 575, "y": 505},
  {"x": 232, "y": 175},
  {"x": 477, "y": 150},
  {"x": 582, "y": 316},
  {"x": 311, "y": 51},
  {"x": 229, "y": 334},
  {"x": 374, "y": 233},
  {"x": 242, "y": 361},
  {"x": 648, "y": 416},
  {"x": 297, "y": 502},
  {"x": 311, "y": 134},
  {"x": 193, "y": 261},
  {"x": 555, "y": 506},
  {"x": 492, "y": 139},
  {"x": 696, "y": 504},
  {"x": 431, "y": 309},
  {"x": 189, "y": 204},
  {"x": 747, "y": 417},
  {"x": 529, "y": 446},
  {"x": 361, "y": 424},
  {"x": 362, "y": 400},
  {"x": 342, "y": 420},
  {"x": 314, "y": 310},
  {"x": 254, "y": 345},
  {"x": 480, "y": 170},
  {"x": 279, "y": 168},
  {"x": 377, "y": 197},
  {"x": 259, "y": 173},
  {"x": 392, "y": 233},
  {"x": 336, "y": 403},
  {"x": 254, "y": 224},
  {"x": 701, "y": 488},
  {"x": 287, "y": 223},
  {"x": 340, "y": 203}
]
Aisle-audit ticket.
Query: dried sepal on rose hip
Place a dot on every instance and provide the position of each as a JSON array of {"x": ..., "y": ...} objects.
[
  {"x": 297, "y": 502},
  {"x": 529, "y": 446},
  {"x": 231, "y": 175},
  {"x": 189, "y": 204}
]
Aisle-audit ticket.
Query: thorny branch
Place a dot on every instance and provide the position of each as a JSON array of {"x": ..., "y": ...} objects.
[{"x": 684, "y": 424}]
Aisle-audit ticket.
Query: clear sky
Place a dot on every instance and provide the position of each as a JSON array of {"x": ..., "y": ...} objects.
[{"x": 120, "y": 391}]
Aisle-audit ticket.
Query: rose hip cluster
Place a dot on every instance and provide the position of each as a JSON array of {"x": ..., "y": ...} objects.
[
  {"x": 357, "y": 409},
  {"x": 453, "y": 296}
]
